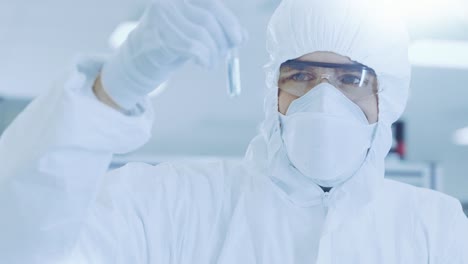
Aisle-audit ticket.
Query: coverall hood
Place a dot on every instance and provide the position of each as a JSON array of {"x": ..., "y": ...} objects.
[{"x": 358, "y": 29}]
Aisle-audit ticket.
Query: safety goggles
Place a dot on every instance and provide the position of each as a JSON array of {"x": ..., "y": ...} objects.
[{"x": 356, "y": 81}]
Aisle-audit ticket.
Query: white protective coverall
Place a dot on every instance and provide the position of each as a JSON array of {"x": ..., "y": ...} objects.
[{"x": 60, "y": 205}]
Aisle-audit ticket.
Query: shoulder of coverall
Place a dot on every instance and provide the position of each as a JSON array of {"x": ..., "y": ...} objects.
[
  {"x": 429, "y": 208},
  {"x": 204, "y": 180},
  {"x": 219, "y": 176}
]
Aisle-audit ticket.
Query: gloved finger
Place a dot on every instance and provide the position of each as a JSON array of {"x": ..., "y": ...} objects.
[
  {"x": 229, "y": 22},
  {"x": 197, "y": 41},
  {"x": 183, "y": 45},
  {"x": 201, "y": 55},
  {"x": 206, "y": 20}
]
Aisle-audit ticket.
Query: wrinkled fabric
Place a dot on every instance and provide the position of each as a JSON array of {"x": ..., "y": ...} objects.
[{"x": 59, "y": 205}]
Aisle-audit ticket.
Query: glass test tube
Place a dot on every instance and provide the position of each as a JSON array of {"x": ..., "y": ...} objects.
[{"x": 234, "y": 79}]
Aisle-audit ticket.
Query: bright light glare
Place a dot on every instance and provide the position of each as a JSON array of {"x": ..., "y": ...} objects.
[
  {"x": 426, "y": 9},
  {"x": 439, "y": 53},
  {"x": 121, "y": 33},
  {"x": 461, "y": 137}
]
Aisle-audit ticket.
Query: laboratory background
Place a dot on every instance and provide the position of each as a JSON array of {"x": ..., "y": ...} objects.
[{"x": 196, "y": 118}]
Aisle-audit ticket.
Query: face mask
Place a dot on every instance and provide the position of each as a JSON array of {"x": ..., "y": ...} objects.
[{"x": 326, "y": 135}]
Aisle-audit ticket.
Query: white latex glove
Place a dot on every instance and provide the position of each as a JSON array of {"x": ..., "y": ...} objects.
[{"x": 170, "y": 33}]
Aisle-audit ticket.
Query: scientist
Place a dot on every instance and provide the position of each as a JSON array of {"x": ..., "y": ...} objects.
[{"x": 311, "y": 188}]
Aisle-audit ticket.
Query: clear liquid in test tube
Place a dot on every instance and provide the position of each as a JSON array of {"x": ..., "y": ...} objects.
[{"x": 233, "y": 68}]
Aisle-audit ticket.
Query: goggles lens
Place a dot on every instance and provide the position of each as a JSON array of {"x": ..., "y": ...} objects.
[{"x": 356, "y": 81}]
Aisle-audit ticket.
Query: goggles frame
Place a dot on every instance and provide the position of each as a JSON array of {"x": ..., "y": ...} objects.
[{"x": 297, "y": 64}]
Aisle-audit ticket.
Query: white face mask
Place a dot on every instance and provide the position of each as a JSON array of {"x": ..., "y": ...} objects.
[{"x": 326, "y": 135}]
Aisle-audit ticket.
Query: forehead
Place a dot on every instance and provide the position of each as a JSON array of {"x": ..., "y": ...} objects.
[{"x": 325, "y": 56}]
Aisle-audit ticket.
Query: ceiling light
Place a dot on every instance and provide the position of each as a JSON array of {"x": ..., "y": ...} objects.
[
  {"x": 418, "y": 10},
  {"x": 461, "y": 137},
  {"x": 161, "y": 88},
  {"x": 121, "y": 33}
]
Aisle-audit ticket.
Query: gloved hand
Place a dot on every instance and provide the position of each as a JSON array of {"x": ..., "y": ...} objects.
[{"x": 170, "y": 33}]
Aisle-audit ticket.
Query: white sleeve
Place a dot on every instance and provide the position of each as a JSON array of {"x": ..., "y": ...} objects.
[{"x": 52, "y": 158}]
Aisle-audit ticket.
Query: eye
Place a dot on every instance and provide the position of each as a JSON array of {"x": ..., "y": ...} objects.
[
  {"x": 302, "y": 77},
  {"x": 350, "y": 80}
]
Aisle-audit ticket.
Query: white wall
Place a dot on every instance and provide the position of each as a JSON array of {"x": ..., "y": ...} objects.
[{"x": 438, "y": 106}]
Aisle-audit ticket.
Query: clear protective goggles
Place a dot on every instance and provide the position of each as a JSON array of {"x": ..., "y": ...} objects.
[{"x": 356, "y": 81}]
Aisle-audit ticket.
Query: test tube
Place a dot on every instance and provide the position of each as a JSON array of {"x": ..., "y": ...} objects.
[{"x": 233, "y": 68}]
